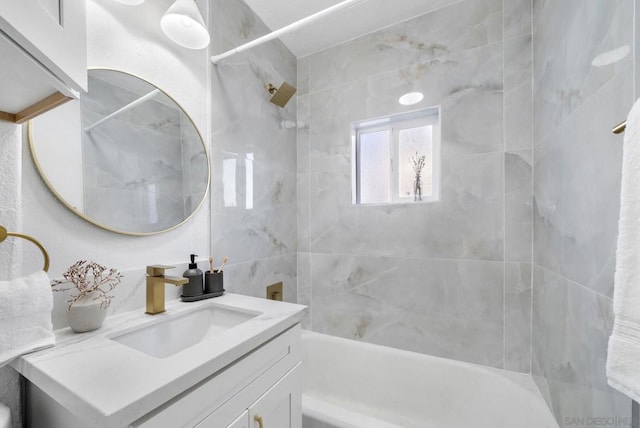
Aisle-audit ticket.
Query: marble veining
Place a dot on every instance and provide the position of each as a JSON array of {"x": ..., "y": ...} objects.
[
  {"x": 411, "y": 304},
  {"x": 564, "y": 76},
  {"x": 568, "y": 350},
  {"x": 458, "y": 27}
]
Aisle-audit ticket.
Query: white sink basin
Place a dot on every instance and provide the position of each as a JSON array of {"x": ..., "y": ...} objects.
[{"x": 167, "y": 337}]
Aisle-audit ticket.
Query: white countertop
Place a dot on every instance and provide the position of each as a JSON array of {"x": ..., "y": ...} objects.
[{"x": 107, "y": 384}]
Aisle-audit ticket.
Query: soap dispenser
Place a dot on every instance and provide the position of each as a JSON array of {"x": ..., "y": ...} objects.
[{"x": 194, "y": 275}]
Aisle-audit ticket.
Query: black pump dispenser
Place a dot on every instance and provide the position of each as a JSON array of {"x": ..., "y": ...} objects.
[
  {"x": 195, "y": 285},
  {"x": 193, "y": 264}
]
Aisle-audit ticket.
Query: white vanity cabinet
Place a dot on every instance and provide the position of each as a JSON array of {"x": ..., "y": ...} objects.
[
  {"x": 237, "y": 375},
  {"x": 44, "y": 55},
  {"x": 264, "y": 384},
  {"x": 241, "y": 422},
  {"x": 278, "y": 407}
]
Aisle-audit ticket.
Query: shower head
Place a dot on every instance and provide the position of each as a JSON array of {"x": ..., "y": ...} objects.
[{"x": 281, "y": 95}]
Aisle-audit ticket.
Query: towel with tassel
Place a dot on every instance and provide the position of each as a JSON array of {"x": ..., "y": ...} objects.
[{"x": 25, "y": 316}]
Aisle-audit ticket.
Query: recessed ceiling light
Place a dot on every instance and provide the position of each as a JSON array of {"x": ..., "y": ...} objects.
[
  {"x": 611, "y": 56},
  {"x": 411, "y": 98}
]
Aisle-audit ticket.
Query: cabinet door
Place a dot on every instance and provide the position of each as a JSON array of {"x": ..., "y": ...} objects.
[
  {"x": 241, "y": 422},
  {"x": 53, "y": 32},
  {"x": 280, "y": 406}
]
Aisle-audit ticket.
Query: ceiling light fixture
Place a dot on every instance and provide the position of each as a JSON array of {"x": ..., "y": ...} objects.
[
  {"x": 411, "y": 98},
  {"x": 183, "y": 24}
]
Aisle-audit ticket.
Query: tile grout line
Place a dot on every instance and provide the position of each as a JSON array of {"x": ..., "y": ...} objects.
[
  {"x": 531, "y": 199},
  {"x": 504, "y": 200}
]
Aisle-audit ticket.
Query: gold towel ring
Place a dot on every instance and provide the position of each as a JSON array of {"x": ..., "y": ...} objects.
[{"x": 4, "y": 234}]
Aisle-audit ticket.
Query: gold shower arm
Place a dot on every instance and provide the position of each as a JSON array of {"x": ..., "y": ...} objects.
[{"x": 4, "y": 234}]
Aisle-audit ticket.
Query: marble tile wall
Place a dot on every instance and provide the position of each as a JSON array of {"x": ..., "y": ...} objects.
[
  {"x": 253, "y": 194},
  {"x": 577, "y": 164},
  {"x": 431, "y": 278}
]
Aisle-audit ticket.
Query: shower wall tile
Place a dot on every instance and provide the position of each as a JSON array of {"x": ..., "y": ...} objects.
[
  {"x": 636, "y": 51},
  {"x": 303, "y": 76},
  {"x": 576, "y": 194},
  {"x": 518, "y": 97},
  {"x": 464, "y": 25},
  {"x": 518, "y": 205},
  {"x": 252, "y": 278},
  {"x": 304, "y": 287},
  {"x": 253, "y": 158},
  {"x": 302, "y": 145},
  {"x": 517, "y": 317},
  {"x": 548, "y": 204},
  {"x": 255, "y": 129},
  {"x": 425, "y": 277},
  {"x": 362, "y": 298},
  {"x": 467, "y": 223},
  {"x": 329, "y": 128},
  {"x": 567, "y": 38},
  {"x": 592, "y": 165},
  {"x": 517, "y": 18},
  {"x": 577, "y": 189},
  {"x": 236, "y": 22},
  {"x": 467, "y": 86},
  {"x": 255, "y": 218},
  {"x": 570, "y": 351},
  {"x": 303, "y": 212}
]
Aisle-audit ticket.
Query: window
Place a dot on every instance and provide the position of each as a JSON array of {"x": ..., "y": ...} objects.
[{"x": 396, "y": 159}]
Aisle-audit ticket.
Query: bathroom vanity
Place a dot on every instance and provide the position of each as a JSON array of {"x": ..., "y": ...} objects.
[{"x": 232, "y": 362}]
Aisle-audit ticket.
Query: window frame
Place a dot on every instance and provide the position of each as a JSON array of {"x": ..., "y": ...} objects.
[{"x": 395, "y": 123}]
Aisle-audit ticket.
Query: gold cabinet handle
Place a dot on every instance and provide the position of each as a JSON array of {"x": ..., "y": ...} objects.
[{"x": 258, "y": 419}]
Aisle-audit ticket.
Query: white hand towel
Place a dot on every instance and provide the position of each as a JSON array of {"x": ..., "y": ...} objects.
[
  {"x": 25, "y": 316},
  {"x": 623, "y": 360}
]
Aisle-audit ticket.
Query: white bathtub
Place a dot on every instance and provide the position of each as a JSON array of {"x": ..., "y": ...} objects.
[{"x": 351, "y": 384}]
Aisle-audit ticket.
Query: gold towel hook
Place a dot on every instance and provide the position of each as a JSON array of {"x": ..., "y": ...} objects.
[{"x": 4, "y": 234}]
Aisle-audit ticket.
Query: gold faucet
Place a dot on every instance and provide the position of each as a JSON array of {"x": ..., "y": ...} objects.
[{"x": 155, "y": 287}]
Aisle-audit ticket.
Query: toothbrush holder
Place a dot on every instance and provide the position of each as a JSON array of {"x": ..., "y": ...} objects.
[{"x": 213, "y": 282}]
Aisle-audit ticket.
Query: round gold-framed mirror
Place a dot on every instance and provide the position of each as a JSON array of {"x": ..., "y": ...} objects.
[{"x": 125, "y": 157}]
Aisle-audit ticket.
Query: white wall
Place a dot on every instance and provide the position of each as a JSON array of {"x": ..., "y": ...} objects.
[{"x": 57, "y": 139}]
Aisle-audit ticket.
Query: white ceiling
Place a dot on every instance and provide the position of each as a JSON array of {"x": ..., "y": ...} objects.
[{"x": 347, "y": 24}]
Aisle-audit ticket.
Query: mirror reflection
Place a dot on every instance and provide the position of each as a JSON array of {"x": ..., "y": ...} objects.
[{"x": 125, "y": 156}]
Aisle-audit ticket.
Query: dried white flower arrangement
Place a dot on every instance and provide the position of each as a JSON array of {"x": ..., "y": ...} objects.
[{"x": 90, "y": 279}]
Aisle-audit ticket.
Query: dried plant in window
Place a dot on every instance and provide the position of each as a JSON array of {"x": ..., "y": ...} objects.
[
  {"x": 90, "y": 280},
  {"x": 418, "y": 163}
]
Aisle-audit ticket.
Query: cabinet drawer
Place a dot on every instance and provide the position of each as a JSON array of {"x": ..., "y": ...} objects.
[{"x": 269, "y": 362}]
